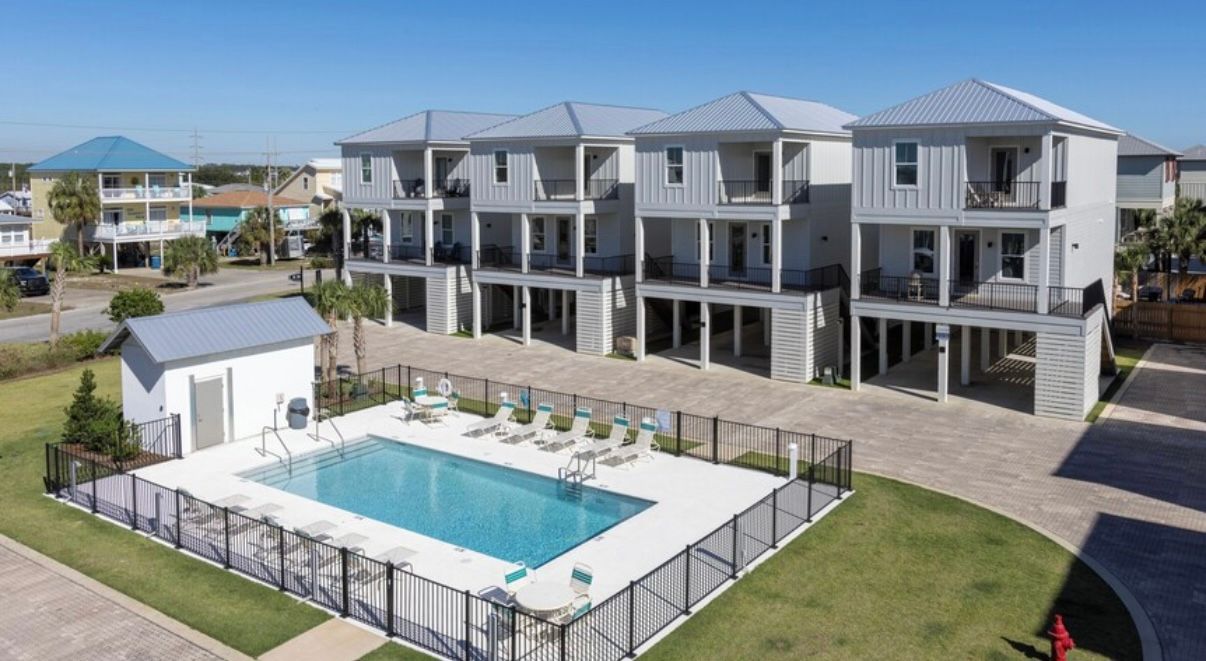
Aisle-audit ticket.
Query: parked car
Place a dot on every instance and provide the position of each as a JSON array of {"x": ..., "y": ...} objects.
[{"x": 31, "y": 282}]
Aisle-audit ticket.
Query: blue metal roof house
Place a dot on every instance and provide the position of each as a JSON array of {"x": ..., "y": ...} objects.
[{"x": 113, "y": 153}]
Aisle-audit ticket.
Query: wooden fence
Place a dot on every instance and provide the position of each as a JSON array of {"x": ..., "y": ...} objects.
[{"x": 1178, "y": 322}]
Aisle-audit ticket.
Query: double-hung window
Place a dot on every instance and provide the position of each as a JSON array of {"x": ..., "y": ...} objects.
[
  {"x": 591, "y": 230},
  {"x": 366, "y": 168},
  {"x": 154, "y": 180},
  {"x": 446, "y": 233},
  {"x": 674, "y": 166},
  {"x": 904, "y": 164},
  {"x": 408, "y": 227},
  {"x": 500, "y": 166},
  {"x": 158, "y": 214},
  {"x": 766, "y": 244},
  {"x": 537, "y": 234},
  {"x": 1013, "y": 255},
  {"x": 923, "y": 251}
]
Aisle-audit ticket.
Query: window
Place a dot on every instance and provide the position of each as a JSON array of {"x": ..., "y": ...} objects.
[
  {"x": 158, "y": 213},
  {"x": 305, "y": 183},
  {"x": 537, "y": 230},
  {"x": 366, "y": 168},
  {"x": 904, "y": 163},
  {"x": 766, "y": 244},
  {"x": 446, "y": 233},
  {"x": 1013, "y": 255},
  {"x": 674, "y": 166},
  {"x": 923, "y": 251},
  {"x": 159, "y": 180},
  {"x": 209, "y": 217},
  {"x": 111, "y": 181},
  {"x": 591, "y": 230},
  {"x": 711, "y": 240},
  {"x": 112, "y": 216},
  {"x": 337, "y": 180},
  {"x": 408, "y": 227},
  {"x": 500, "y": 166}
]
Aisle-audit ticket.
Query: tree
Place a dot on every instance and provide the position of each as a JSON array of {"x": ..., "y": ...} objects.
[
  {"x": 1129, "y": 259},
  {"x": 332, "y": 300},
  {"x": 75, "y": 201},
  {"x": 10, "y": 291},
  {"x": 364, "y": 223},
  {"x": 257, "y": 231},
  {"x": 1186, "y": 226},
  {"x": 65, "y": 259},
  {"x": 365, "y": 301},
  {"x": 137, "y": 302},
  {"x": 190, "y": 258},
  {"x": 330, "y": 224}
]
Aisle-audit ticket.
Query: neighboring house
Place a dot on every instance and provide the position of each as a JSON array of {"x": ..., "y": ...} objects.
[
  {"x": 234, "y": 188},
  {"x": 1192, "y": 165},
  {"x": 145, "y": 196},
  {"x": 414, "y": 173},
  {"x": 552, "y": 222},
  {"x": 319, "y": 181},
  {"x": 223, "y": 213},
  {"x": 764, "y": 183},
  {"x": 18, "y": 247},
  {"x": 993, "y": 210},
  {"x": 1147, "y": 179},
  {"x": 21, "y": 201},
  {"x": 227, "y": 371}
]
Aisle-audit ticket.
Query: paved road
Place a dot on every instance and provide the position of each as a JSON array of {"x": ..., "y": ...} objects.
[
  {"x": 1129, "y": 492},
  {"x": 226, "y": 286}
]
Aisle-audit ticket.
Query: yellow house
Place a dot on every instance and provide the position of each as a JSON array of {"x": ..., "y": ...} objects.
[
  {"x": 146, "y": 197},
  {"x": 319, "y": 181}
]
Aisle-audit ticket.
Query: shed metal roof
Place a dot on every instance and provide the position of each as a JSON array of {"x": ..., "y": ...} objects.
[
  {"x": 1194, "y": 153},
  {"x": 218, "y": 330},
  {"x": 1130, "y": 144},
  {"x": 110, "y": 153},
  {"x": 571, "y": 119},
  {"x": 977, "y": 102},
  {"x": 749, "y": 111},
  {"x": 428, "y": 126},
  {"x": 14, "y": 219}
]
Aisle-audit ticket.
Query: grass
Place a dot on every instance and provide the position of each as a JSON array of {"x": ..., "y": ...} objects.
[
  {"x": 247, "y": 616},
  {"x": 902, "y": 572},
  {"x": 119, "y": 282},
  {"x": 394, "y": 652},
  {"x": 253, "y": 264},
  {"x": 1127, "y": 354},
  {"x": 27, "y": 309}
]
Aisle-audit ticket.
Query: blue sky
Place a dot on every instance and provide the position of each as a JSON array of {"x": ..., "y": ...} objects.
[{"x": 310, "y": 72}]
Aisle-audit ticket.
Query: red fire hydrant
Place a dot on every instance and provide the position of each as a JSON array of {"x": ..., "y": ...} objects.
[{"x": 1061, "y": 640}]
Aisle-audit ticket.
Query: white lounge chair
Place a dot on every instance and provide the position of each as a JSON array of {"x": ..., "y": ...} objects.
[
  {"x": 617, "y": 437},
  {"x": 537, "y": 428},
  {"x": 502, "y": 419},
  {"x": 642, "y": 448},
  {"x": 578, "y": 432}
]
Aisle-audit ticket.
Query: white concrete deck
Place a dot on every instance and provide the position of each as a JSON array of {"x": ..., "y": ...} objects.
[{"x": 692, "y": 498}]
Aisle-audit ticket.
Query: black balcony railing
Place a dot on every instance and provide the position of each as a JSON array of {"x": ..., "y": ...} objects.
[
  {"x": 602, "y": 189},
  {"x": 499, "y": 257},
  {"x": 543, "y": 261},
  {"x": 614, "y": 265},
  {"x": 408, "y": 188},
  {"x": 1002, "y": 195},
  {"x": 416, "y": 188},
  {"x": 1009, "y": 296},
  {"x": 874, "y": 285},
  {"x": 406, "y": 252},
  {"x": 760, "y": 278},
  {"x": 739, "y": 277},
  {"x": 795, "y": 192},
  {"x": 821, "y": 278},
  {"x": 744, "y": 192},
  {"x": 665, "y": 269},
  {"x": 452, "y": 188},
  {"x": 457, "y": 253},
  {"x": 1059, "y": 194},
  {"x": 566, "y": 190}
]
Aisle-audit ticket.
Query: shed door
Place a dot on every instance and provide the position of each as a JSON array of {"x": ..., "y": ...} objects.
[{"x": 207, "y": 413}]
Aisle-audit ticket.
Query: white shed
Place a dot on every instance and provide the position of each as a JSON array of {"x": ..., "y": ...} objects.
[{"x": 228, "y": 371}]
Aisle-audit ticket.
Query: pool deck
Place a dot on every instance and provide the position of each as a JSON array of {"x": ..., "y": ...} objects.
[{"x": 693, "y": 498}]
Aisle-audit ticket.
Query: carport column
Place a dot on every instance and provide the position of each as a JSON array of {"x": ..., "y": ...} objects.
[
  {"x": 985, "y": 349},
  {"x": 580, "y": 243},
  {"x": 881, "y": 340},
  {"x": 516, "y": 306},
  {"x": 639, "y": 249},
  {"x": 525, "y": 242},
  {"x": 737, "y": 331},
  {"x": 705, "y": 336},
  {"x": 565, "y": 306},
  {"x": 428, "y": 235},
  {"x": 161, "y": 254},
  {"x": 677, "y": 322},
  {"x": 856, "y": 354},
  {"x": 704, "y": 257},
  {"x": 385, "y": 232},
  {"x": 114, "y": 246},
  {"x": 906, "y": 341},
  {"x": 388, "y": 284},
  {"x": 475, "y": 238},
  {"x": 1003, "y": 342},
  {"x": 944, "y": 342},
  {"x": 527, "y": 315},
  {"x": 477, "y": 308},
  {"x": 965, "y": 357},
  {"x": 640, "y": 328},
  {"x": 944, "y": 266}
]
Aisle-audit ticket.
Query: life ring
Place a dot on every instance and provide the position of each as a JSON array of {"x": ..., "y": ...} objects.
[{"x": 445, "y": 387}]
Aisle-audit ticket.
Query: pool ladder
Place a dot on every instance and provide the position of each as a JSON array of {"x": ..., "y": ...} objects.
[
  {"x": 264, "y": 451},
  {"x": 581, "y": 467},
  {"x": 318, "y": 437}
]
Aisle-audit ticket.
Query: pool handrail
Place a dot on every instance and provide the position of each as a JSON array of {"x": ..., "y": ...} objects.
[{"x": 264, "y": 447}]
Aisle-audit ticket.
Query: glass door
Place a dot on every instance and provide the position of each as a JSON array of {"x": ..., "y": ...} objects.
[
  {"x": 737, "y": 249},
  {"x": 563, "y": 240}
]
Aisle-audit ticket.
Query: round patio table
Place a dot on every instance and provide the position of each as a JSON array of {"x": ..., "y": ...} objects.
[
  {"x": 430, "y": 400},
  {"x": 545, "y": 597}
]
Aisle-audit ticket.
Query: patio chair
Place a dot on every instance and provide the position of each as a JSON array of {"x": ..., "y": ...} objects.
[
  {"x": 402, "y": 409},
  {"x": 502, "y": 418},
  {"x": 580, "y": 578},
  {"x": 537, "y": 428},
  {"x": 617, "y": 437},
  {"x": 579, "y": 431},
  {"x": 436, "y": 412},
  {"x": 518, "y": 578},
  {"x": 580, "y": 607},
  {"x": 642, "y": 448},
  {"x": 1188, "y": 295}
]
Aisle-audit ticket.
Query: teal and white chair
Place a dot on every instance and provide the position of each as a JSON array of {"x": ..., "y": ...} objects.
[
  {"x": 502, "y": 420},
  {"x": 580, "y": 607},
  {"x": 617, "y": 437},
  {"x": 537, "y": 428},
  {"x": 517, "y": 578},
  {"x": 578, "y": 432},
  {"x": 642, "y": 448},
  {"x": 581, "y": 577}
]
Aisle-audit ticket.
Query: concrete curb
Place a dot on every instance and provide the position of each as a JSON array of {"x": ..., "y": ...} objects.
[
  {"x": 136, "y": 607},
  {"x": 1108, "y": 410},
  {"x": 1149, "y": 639}
]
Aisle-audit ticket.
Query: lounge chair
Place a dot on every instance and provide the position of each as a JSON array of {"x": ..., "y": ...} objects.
[
  {"x": 578, "y": 432},
  {"x": 517, "y": 578},
  {"x": 617, "y": 437},
  {"x": 351, "y": 541},
  {"x": 402, "y": 409},
  {"x": 502, "y": 418},
  {"x": 537, "y": 428},
  {"x": 399, "y": 556},
  {"x": 642, "y": 448},
  {"x": 254, "y": 515}
]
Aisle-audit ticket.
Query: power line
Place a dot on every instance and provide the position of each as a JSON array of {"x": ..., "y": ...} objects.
[{"x": 172, "y": 130}]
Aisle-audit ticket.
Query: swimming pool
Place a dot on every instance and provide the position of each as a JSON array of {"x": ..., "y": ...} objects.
[{"x": 502, "y": 512}]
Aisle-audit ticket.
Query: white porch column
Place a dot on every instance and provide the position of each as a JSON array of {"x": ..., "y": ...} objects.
[
  {"x": 525, "y": 241},
  {"x": 579, "y": 173},
  {"x": 965, "y": 356},
  {"x": 477, "y": 308},
  {"x": 856, "y": 259},
  {"x": 160, "y": 254},
  {"x": 475, "y": 240},
  {"x": 639, "y": 248},
  {"x": 527, "y": 315},
  {"x": 944, "y": 266},
  {"x": 906, "y": 341},
  {"x": 944, "y": 342},
  {"x": 516, "y": 307},
  {"x": 114, "y": 247},
  {"x": 565, "y": 314},
  {"x": 737, "y": 331},
  {"x": 677, "y": 331},
  {"x": 640, "y": 328},
  {"x": 579, "y": 243},
  {"x": 777, "y": 252},
  {"x": 985, "y": 349},
  {"x": 1045, "y": 178},
  {"x": 704, "y": 258},
  {"x": 386, "y": 221},
  {"x": 1003, "y": 342},
  {"x": 146, "y": 191},
  {"x": 705, "y": 336},
  {"x": 881, "y": 342},
  {"x": 428, "y": 235},
  {"x": 428, "y": 184},
  {"x": 777, "y": 169},
  {"x": 1044, "y": 279},
  {"x": 856, "y": 354},
  {"x": 347, "y": 237},
  {"x": 388, "y": 284}
]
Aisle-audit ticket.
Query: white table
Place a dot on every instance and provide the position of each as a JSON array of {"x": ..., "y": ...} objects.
[
  {"x": 545, "y": 597},
  {"x": 430, "y": 400}
]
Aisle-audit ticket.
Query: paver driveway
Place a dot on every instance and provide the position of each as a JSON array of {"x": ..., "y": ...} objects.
[{"x": 1130, "y": 493}]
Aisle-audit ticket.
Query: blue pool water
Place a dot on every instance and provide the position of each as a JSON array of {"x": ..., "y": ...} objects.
[{"x": 509, "y": 514}]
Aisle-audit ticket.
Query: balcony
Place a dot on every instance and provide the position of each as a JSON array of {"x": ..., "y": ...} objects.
[
  {"x": 1024, "y": 195},
  {"x": 141, "y": 194},
  {"x": 440, "y": 253},
  {"x": 1075, "y": 302},
  {"x": 416, "y": 189},
  {"x": 565, "y": 190},
  {"x": 26, "y": 248},
  {"x": 731, "y": 191},
  {"x": 664, "y": 269},
  {"x": 508, "y": 258},
  {"x": 1004, "y": 296},
  {"x": 150, "y": 229},
  {"x": 874, "y": 285}
]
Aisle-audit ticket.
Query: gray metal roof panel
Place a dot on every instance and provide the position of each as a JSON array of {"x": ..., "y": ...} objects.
[
  {"x": 428, "y": 126},
  {"x": 209, "y": 331},
  {"x": 571, "y": 119},
  {"x": 1133, "y": 145},
  {"x": 1194, "y": 153},
  {"x": 749, "y": 111}
]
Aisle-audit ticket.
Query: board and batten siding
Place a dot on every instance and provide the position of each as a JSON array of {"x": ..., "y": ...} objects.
[
  {"x": 1067, "y": 370},
  {"x": 699, "y": 172},
  {"x": 520, "y": 172},
  {"x": 377, "y": 192},
  {"x": 940, "y": 164},
  {"x": 824, "y": 329}
]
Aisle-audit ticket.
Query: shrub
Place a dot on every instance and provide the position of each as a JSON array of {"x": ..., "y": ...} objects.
[
  {"x": 137, "y": 302},
  {"x": 320, "y": 262},
  {"x": 83, "y": 344},
  {"x": 85, "y": 412}
]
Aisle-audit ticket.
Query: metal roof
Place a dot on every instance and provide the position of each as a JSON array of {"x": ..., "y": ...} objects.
[
  {"x": 571, "y": 119},
  {"x": 13, "y": 219},
  {"x": 218, "y": 330},
  {"x": 1194, "y": 153},
  {"x": 110, "y": 153},
  {"x": 976, "y": 102},
  {"x": 749, "y": 111},
  {"x": 1130, "y": 144},
  {"x": 428, "y": 126}
]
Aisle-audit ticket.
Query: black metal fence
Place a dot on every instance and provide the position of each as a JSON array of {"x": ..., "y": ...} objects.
[
  {"x": 546, "y": 190},
  {"x": 874, "y": 284},
  {"x": 1002, "y": 195},
  {"x": 1010, "y": 296}
]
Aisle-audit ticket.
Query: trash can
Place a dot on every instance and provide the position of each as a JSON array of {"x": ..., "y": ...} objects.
[
  {"x": 156, "y": 262},
  {"x": 299, "y": 413}
]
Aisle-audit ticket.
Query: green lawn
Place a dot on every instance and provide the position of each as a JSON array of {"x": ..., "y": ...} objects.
[
  {"x": 902, "y": 572},
  {"x": 1127, "y": 354},
  {"x": 27, "y": 309},
  {"x": 247, "y": 616},
  {"x": 394, "y": 652}
]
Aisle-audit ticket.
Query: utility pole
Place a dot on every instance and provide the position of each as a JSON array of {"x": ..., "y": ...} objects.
[
  {"x": 268, "y": 184},
  {"x": 196, "y": 149}
]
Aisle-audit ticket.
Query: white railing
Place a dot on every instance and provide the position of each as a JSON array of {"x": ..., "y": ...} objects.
[
  {"x": 145, "y": 193},
  {"x": 149, "y": 228},
  {"x": 33, "y": 247}
]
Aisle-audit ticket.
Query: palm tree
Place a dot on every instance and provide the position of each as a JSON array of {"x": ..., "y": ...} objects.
[
  {"x": 1129, "y": 259},
  {"x": 1185, "y": 227},
  {"x": 65, "y": 259},
  {"x": 1144, "y": 220},
  {"x": 331, "y": 301},
  {"x": 369, "y": 301},
  {"x": 75, "y": 201},
  {"x": 190, "y": 257},
  {"x": 10, "y": 291},
  {"x": 257, "y": 232}
]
